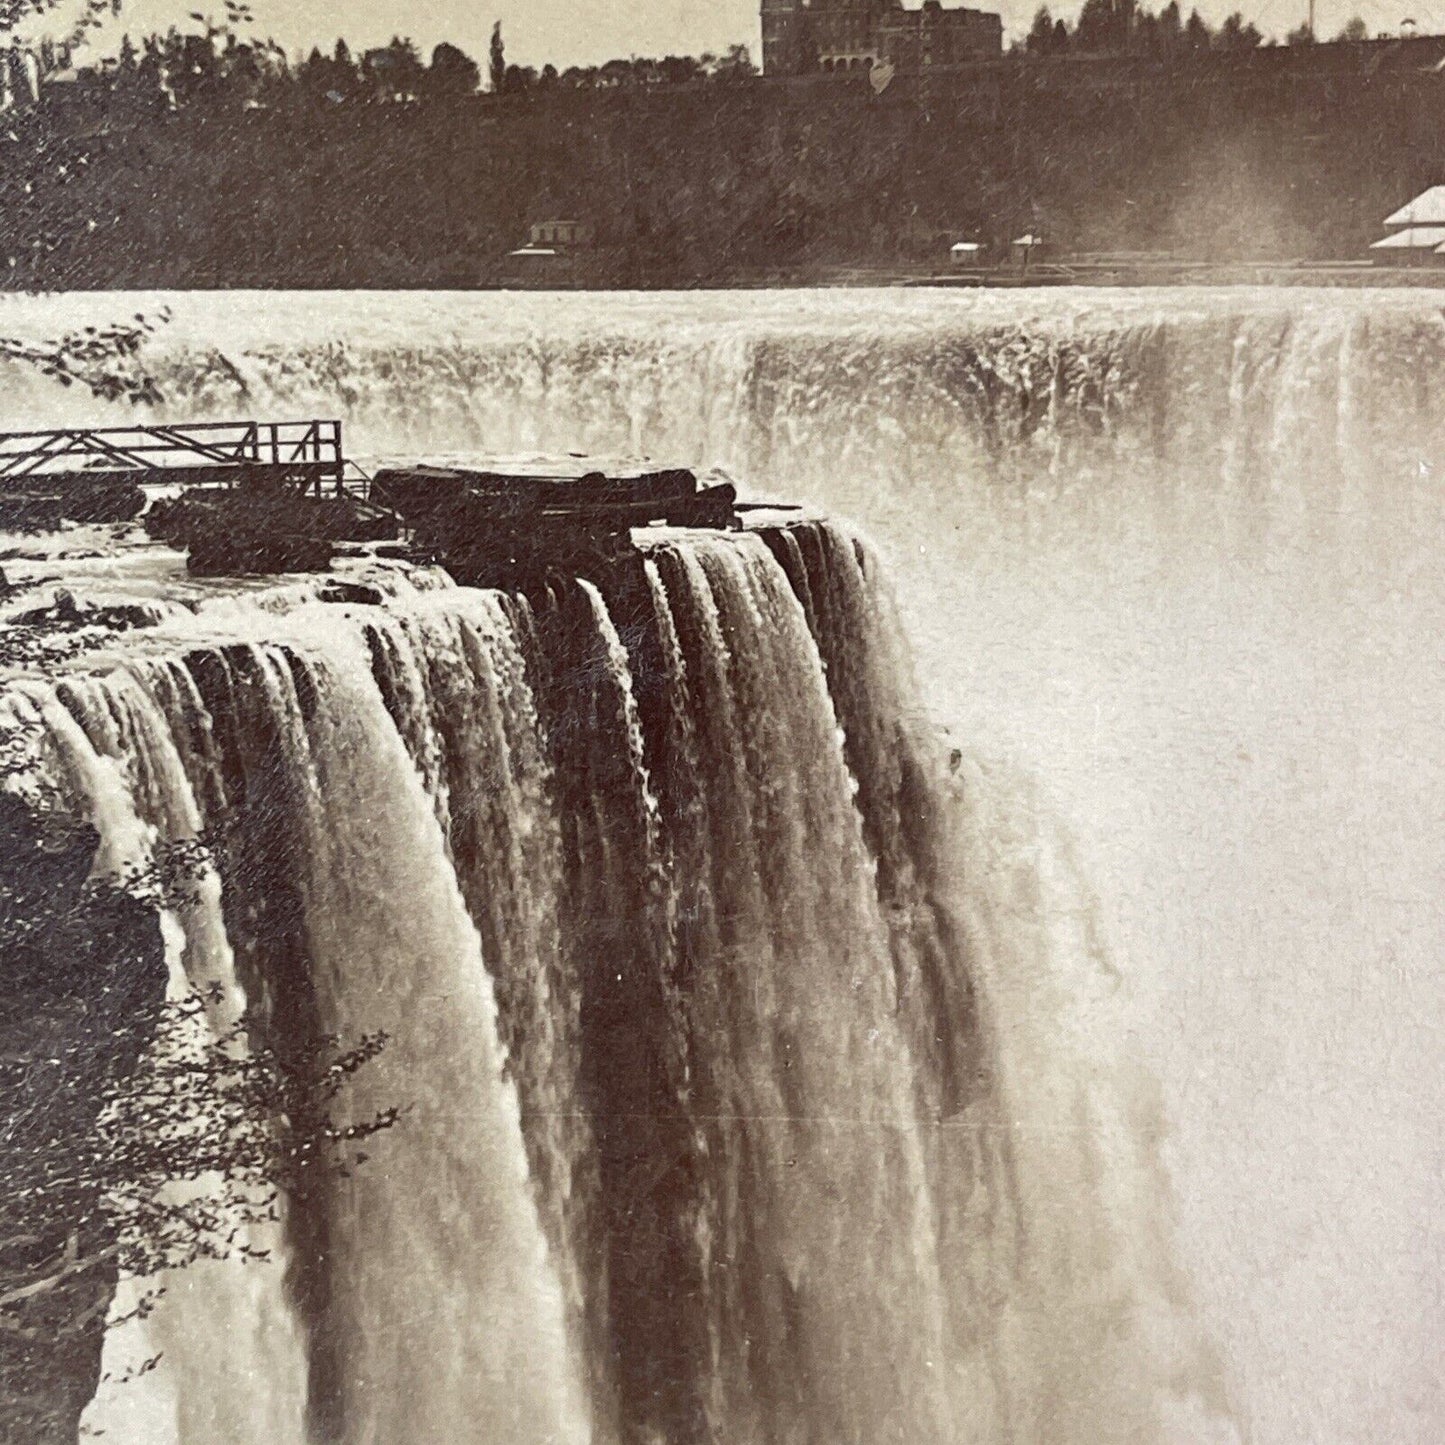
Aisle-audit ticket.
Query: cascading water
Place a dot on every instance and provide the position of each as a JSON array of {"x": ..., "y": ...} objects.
[
  {"x": 732, "y": 1160},
  {"x": 1168, "y": 565},
  {"x": 223, "y": 1327},
  {"x": 456, "y": 1289}
]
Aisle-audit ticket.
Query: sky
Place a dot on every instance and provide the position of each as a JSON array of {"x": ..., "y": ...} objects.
[{"x": 570, "y": 32}]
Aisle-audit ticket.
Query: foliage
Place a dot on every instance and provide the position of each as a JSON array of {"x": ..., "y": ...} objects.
[
  {"x": 1237, "y": 34},
  {"x": 1040, "y": 39},
  {"x": 395, "y": 72},
  {"x": 497, "y": 60},
  {"x": 140, "y": 1133},
  {"x": 219, "y": 66},
  {"x": 90, "y": 15},
  {"x": 453, "y": 72},
  {"x": 637, "y": 72},
  {"x": 103, "y": 360},
  {"x": 709, "y": 179},
  {"x": 187, "y": 1153},
  {"x": 260, "y": 171},
  {"x": 1119, "y": 26}
]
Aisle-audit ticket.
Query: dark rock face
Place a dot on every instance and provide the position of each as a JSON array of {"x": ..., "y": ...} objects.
[
  {"x": 83, "y": 973},
  {"x": 41, "y": 505},
  {"x": 356, "y": 593},
  {"x": 258, "y": 529},
  {"x": 68, "y": 613},
  {"x": 109, "y": 501},
  {"x": 31, "y": 512}
]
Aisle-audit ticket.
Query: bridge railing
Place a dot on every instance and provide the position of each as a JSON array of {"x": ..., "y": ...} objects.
[{"x": 309, "y": 451}]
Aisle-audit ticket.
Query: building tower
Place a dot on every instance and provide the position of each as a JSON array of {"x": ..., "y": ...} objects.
[
  {"x": 780, "y": 36},
  {"x": 803, "y": 35}
]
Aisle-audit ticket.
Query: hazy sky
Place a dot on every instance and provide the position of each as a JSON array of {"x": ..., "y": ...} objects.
[
  {"x": 587, "y": 31},
  {"x": 563, "y": 31}
]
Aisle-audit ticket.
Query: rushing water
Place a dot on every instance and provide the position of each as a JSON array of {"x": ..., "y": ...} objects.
[{"x": 857, "y": 1148}]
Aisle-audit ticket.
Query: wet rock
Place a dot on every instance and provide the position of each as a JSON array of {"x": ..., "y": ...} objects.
[
  {"x": 67, "y": 613},
  {"x": 354, "y": 592},
  {"x": 103, "y": 502},
  {"x": 85, "y": 974},
  {"x": 31, "y": 512}
]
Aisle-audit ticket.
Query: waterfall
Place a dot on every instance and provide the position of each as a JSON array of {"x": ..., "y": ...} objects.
[
  {"x": 449, "y": 1286},
  {"x": 116, "y": 748},
  {"x": 709, "y": 1057},
  {"x": 1136, "y": 1059}
]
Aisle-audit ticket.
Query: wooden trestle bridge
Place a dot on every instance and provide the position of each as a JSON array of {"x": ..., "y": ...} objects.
[{"x": 305, "y": 456}]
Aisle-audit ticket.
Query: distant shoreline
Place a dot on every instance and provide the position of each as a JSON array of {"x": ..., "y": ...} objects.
[{"x": 1281, "y": 277}]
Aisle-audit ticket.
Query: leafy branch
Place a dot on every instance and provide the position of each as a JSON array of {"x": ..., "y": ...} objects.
[
  {"x": 190, "y": 1153},
  {"x": 104, "y": 360},
  {"x": 139, "y": 1133}
]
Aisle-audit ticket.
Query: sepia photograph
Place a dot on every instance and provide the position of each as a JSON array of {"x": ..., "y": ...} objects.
[{"x": 722, "y": 724}]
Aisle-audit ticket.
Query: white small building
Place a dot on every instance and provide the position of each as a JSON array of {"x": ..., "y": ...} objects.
[
  {"x": 1414, "y": 246},
  {"x": 1029, "y": 247},
  {"x": 965, "y": 253},
  {"x": 1427, "y": 209},
  {"x": 1421, "y": 234}
]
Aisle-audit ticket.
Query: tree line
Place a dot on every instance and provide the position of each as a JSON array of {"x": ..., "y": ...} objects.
[
  {"x": 219, "y": 63},
  {"x": 735, "y": 63},
  {"x": 223, "y": 62},
  {"x": 1121, "y": 26}
]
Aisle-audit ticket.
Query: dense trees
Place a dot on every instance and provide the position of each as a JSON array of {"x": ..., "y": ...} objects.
[
  {"x": 395, "y": 72},
  {"x": 1118, "y": 26},
  {"x": 686, "y": 175},
  {"x": 453, "y": 72},
  {"x": 221, "y": 66},
  {"x": 224, "y": 65},
  {"x": 640, "y": 71},
  {"x": 698, "y": 182}
]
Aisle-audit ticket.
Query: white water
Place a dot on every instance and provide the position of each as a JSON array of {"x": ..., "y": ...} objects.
[
  {"x": 1189, "y": 591},
  {"x": 222, "y": 1326},
  {"x": 451, "y": 1326}
]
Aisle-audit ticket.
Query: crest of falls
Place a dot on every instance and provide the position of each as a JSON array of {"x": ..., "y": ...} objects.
[{"x": 772, "y": 1059}]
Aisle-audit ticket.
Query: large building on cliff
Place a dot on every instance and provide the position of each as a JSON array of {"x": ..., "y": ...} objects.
[{"x": 800, "y": 36}]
